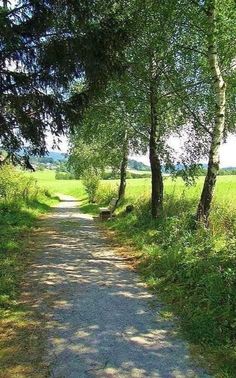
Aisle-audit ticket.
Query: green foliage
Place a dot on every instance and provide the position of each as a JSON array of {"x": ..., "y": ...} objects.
[
  {"x": 64, "y": 175},
  {"x": 85, "y": 156},
  {"x": 21, "y": 201},
  {"x": 91, "y": 183},
  {"x": 134, "y": 175},
  {"x": 16, "y": 188},
  {"x": 129, "y": 175}
]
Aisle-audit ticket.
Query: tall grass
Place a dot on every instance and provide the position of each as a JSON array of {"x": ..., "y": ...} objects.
[{"x": 21, "y": 201}]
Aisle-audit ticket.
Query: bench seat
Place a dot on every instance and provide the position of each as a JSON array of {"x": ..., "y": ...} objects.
[{"x": 106, "y": 212}]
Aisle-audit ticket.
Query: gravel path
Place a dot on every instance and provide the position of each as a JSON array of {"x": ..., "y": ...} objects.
[{"x": 101, "y": 320}]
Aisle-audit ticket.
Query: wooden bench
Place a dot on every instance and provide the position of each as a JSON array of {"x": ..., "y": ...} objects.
[{"x": 106, "y": 212}]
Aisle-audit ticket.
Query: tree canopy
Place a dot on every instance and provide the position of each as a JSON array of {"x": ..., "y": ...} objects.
[{"x": 45, "y": 46}]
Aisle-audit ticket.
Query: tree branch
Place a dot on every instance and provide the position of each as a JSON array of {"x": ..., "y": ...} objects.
[
  {"x": 176, "y": 91},
  {"x": 139, "y": 132},
  {"x": 195, "y": 117},
  {"x": 192, "y": 49}
]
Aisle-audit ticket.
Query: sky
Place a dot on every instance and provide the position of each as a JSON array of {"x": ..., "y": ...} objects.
[{"x": 227, "y": 153}]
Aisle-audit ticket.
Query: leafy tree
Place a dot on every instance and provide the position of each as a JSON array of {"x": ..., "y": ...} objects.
[
  {"x": 144, "y": 101},
  {"x": 205, "y": 82},
  {"x": 220, "y": 20},
  {"x": 147, "y": 92},
  {"x": 105, "y": 132}
]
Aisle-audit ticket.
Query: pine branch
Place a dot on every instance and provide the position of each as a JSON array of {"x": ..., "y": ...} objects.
[{"x": 196, "y": 2}]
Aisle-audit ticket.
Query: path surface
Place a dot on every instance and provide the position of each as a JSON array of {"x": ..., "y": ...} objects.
[{"x": 101, "y": 320}]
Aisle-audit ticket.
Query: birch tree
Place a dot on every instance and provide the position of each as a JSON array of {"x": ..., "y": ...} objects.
[
  {"x": 213, "y": 11},
  {"x": 204, "y": 79}
]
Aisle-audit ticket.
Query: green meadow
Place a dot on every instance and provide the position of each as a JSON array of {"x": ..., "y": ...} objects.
[{"x": 225, "y": 193}]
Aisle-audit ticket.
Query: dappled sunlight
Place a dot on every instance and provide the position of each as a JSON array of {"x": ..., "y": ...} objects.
[{"x": 101, "y": 320}]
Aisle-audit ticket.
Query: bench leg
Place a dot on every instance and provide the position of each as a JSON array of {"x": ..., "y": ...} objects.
[{"x": 104, "y": 215}]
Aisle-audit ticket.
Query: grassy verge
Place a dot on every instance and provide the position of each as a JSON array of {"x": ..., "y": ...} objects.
[
  {"x": 15, "y": 224},
  {"x": 21, "y": 203},
  {"x": 192, "y": 271}
]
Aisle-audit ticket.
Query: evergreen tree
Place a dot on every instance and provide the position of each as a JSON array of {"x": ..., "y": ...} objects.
[{"x": 45, "y": 46}]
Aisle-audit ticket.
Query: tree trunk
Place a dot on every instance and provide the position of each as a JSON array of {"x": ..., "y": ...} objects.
[
  {"x": 157, "y": 179},
  {"x": 219, "y": 87},
  {"x": 123, "y": 168}
]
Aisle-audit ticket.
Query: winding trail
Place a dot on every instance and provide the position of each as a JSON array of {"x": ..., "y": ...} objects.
[{"x": 101, "y": 319}]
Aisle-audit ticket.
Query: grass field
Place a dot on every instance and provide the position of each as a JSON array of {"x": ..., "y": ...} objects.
[
  {"x": 192, "y": 269},
  {"x": 140, "y": 188}
]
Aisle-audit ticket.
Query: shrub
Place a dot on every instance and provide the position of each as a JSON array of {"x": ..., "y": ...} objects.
[
  {"x": 64, "y": 176},
  {"x": 90, "y": 181},
  {"x": 15, "y": 187},
  {"x": 129, "y": 175},
  {"x": 105, "y": 193}
]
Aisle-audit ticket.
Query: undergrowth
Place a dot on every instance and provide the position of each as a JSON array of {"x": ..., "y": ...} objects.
[
  {"x": 193, "y": 270},
  {"x": 21, "y": 333},
  {"x": 21, "y": 202}
]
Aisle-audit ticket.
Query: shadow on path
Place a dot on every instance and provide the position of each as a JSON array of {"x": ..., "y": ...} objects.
[{"x": 101, "y": 320}]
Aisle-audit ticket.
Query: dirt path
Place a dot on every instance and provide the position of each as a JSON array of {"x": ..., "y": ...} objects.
[{"x": 101, "y": 320}]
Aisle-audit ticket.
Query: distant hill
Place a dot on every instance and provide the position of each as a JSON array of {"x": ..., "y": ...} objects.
[
  {"x": 137, "y": 165},
  {"x": 56, "y": 155}
]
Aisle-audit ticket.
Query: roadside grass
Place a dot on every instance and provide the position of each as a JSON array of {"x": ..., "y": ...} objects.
[
  {"x": 89, "y": 208},
  {"x": 21, "y": 203},
  {"x": 15, "y": 224},
  {"x": 193, "y": 270}
]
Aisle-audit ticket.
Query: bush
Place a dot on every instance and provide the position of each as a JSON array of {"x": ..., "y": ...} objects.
[
  {"x": 91, "y": 181},
  {"x": 64, "y": 176},
  {"x": 105, "y": 193},
  {"x": 133, "y": 175},
  {"x": 130, "y": 175},
  {"x": 15, "y": 187}
]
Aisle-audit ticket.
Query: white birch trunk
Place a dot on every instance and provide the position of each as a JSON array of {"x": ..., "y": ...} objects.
[{"x": 219, "y": 87}]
